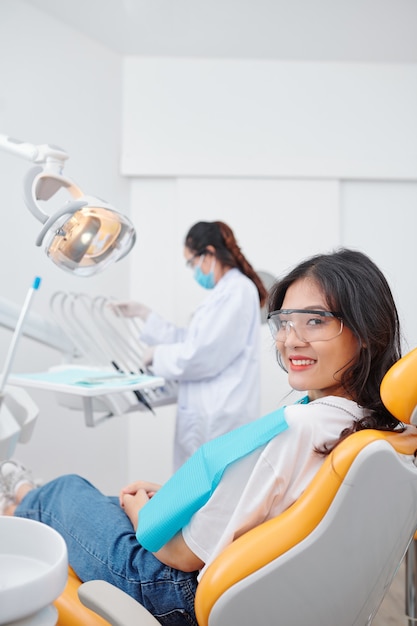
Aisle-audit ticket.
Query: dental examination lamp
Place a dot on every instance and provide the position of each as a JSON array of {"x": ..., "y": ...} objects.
[{"x": 86, "y": 234}]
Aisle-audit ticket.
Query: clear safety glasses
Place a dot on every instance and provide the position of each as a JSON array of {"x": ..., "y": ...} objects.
[
  {"x": 191, "y": 263},
  {"x": 309, "y": 325}
]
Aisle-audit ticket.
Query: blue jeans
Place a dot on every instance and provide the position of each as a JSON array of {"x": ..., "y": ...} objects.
[{"x": 102, "y": 545}]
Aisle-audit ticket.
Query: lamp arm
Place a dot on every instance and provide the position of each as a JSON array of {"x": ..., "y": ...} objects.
[
  {"x": 39, "y": 184},
  {"x": 42, "y": 153},
  {"x": 87, "y": 245},
  {"x": 27, "y": 194}
]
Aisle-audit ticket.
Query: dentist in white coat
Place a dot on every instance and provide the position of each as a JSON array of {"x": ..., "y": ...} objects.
[{"x": 216, "y": 359}]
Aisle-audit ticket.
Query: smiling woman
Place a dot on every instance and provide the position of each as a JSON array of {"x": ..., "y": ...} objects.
[{"x": 347, "y": 355}]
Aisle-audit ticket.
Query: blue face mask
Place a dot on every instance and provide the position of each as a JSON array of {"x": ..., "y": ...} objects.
[{"x": 205, "y": 280}]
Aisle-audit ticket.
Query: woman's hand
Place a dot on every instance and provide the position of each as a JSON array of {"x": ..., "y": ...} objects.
[
  {"x": 175, "y": 553},
  {"x": 133, "y": 488},
  {"x": 130, "y": 309},
  {"x": 133, "y": 498}
]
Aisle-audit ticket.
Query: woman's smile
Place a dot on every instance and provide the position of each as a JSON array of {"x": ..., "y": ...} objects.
[{"x": 300, "y": 362}]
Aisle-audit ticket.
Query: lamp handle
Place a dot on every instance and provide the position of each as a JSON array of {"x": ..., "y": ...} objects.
[{"x": 68, "y": 209}]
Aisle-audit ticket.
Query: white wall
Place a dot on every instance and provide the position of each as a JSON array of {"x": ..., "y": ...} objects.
[
  {"x": 381, "y": 218},
  {"x": 58, "y": 87},
  {"x": 187, "y": 117}
]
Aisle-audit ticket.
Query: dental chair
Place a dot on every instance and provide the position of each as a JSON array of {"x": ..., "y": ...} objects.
[{"x": 329, "y": 559}]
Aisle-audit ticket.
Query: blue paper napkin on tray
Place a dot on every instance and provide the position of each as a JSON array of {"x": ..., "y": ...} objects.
[{"x": 86, "y": 377}]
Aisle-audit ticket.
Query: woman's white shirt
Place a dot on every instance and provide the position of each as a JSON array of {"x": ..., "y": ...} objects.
[{"x": 270, "y": 479}]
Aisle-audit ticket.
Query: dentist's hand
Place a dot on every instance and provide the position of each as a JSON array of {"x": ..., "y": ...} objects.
[
  {"x": 130, "y": 309},
  {"x": 147, "y": 356}
]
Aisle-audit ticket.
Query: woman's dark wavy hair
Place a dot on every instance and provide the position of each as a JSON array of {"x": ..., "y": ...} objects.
[
  {"x": 354, "y": 287},
  {"x": 221, "y": 237}
]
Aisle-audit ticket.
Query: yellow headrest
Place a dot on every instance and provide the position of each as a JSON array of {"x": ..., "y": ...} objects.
[{"x": 399, "y": 388}]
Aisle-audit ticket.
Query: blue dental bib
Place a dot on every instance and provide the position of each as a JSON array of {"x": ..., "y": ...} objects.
[{"x": 172, "y": 507}]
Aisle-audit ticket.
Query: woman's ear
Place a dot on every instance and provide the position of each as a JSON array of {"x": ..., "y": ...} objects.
[{"x": 211, "y": 250}]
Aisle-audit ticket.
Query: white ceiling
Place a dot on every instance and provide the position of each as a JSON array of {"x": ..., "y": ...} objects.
[{"x": 374, "y": 31}]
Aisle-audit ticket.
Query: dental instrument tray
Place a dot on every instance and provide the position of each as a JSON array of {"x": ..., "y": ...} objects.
[
  {"x": 103, "y": 373},
  {"x": 97, "y": 389}
]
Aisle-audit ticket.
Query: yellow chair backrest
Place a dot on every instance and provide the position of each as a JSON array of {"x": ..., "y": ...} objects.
[{"x": 262, "y": 545}]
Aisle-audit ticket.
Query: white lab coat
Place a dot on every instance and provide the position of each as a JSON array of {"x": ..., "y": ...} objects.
[{"x": 215, "y": 360}]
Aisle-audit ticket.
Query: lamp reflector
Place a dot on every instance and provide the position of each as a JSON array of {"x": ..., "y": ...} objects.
[{"x": 85, "y": 242}]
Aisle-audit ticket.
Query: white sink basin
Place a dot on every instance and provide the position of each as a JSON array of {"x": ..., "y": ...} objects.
[{"x": 33, "y": 567}]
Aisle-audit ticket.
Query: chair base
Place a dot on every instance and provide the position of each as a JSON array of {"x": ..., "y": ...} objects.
[{"x": 410, "y": 583}]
